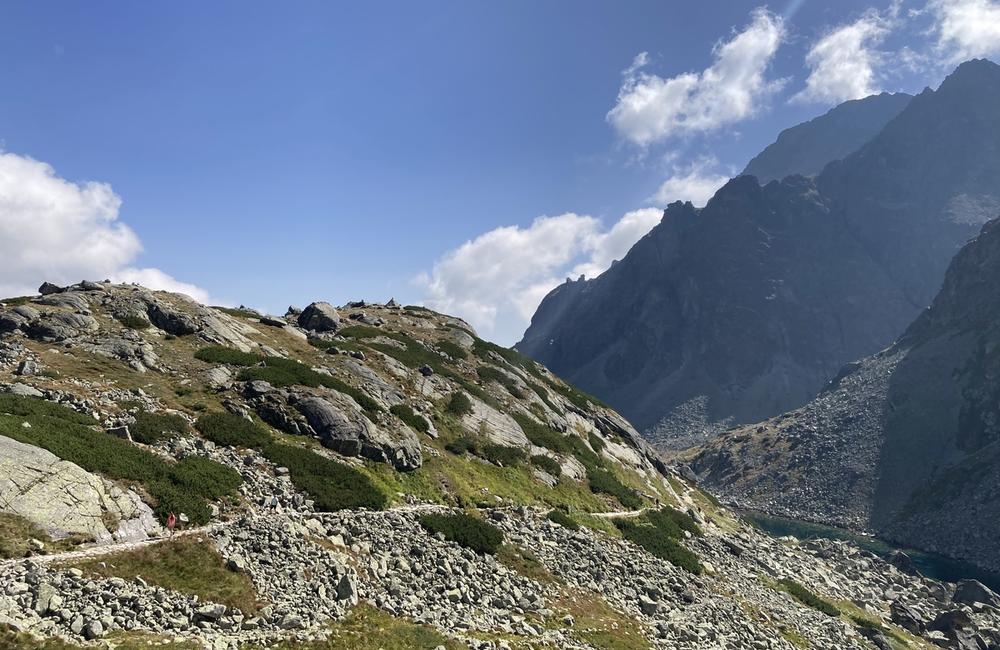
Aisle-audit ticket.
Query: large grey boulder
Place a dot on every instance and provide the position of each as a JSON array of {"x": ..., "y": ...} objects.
[
  {"x": 357, "y": 436},
  {"x": 320, "y": 317},
  {"x": 60, "y": 325},
  {"x": 970, "y": 592},
  {"x": 499, "y": 427},
  {"x": 63, "y": 499}
]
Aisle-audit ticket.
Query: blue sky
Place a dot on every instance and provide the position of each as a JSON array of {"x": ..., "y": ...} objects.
[{"x": 276, "y": 153}]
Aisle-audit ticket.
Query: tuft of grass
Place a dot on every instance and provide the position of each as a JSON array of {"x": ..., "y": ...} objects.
[
  {"x": 206, "y": 477},
  {"x": 491, "y": 373},
  {"x": 407, "y": 415},
  {"x": 602, "y": 481},
  {"x": 134, "y": 322},
  {"x": 15, "y": 531},
  {"x": 190, "y": 565},
  {"x": 547, "y": 464},
  {"x": 596, "y": 442},
  {"x": 808, "y": 598},
  {"x": 17, "y": 301},
  {"x": 462, "y": 445},
  {"x": 153, "y": 427},
  {"x": 672, "y": 521},
  {"x": 232, "y": 431},
  {"x": 502, "y": 454},
  {"x": 659, "y": 544},
  {"x": 465, "y": 530},
  {"x": 523, "y": 561},
  {"x": 558, "y": 516},
  {"x": 452, "y": 349},
  {"x": 542, "y": 435},
  {"x": 459, "y": 404},
  {"x": 238, "y": 313},
  {"x": 228, "y": 356}
]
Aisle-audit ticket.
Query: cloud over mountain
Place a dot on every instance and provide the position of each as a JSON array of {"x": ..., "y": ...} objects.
[
  {"x": 60, "y": 231},
  {"x": 651, "y": 108}
]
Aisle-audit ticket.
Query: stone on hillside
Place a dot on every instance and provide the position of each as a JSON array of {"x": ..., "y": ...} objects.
[
  {"x": 499, "y": 427},
  {"x": 63, "y": 499},
  {"x": 59, "y": 326},
  {"x": 970, "y": 592},
  {"x": 358, "y": 436},
  {"x": 906, "y": 617},
  {"x": 23, "y": 390},
  {"x": 319, "y": 317},
  {"x": 48, "y": 289},
  {"x": 171, "y": 320}
]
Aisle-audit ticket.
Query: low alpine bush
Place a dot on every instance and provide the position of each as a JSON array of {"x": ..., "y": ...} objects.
[
  {"x": 407, "y": 415},
  {"x": 153, "y": 427},
  {"x": 547, "y": 464},
  {"x": 465, "y": 530}
]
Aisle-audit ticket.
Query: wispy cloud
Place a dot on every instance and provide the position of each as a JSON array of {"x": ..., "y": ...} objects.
[
  {"x": 844, "y": 64},
  {"x": 497, "y": 280},
  {"x": 696, "y": 182},
  {"x": 965, "y": 29},
  {"x": 651, "y": 108}
]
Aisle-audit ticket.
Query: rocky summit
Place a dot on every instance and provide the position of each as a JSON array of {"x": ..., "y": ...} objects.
[
  {"x": 902, "y": 443},
  {"x": 378, "y": 476},
  {"x": 744, "y": 309}
]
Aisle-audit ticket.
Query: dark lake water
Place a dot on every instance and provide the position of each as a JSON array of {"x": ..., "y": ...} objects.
[{"x": 931, "y": 565}]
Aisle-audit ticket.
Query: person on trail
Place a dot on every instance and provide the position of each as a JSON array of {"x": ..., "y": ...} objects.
[{"x": 171, "y": 522}]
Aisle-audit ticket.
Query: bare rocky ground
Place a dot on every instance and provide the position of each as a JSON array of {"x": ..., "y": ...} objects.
[{"x": 309, "y": 571}]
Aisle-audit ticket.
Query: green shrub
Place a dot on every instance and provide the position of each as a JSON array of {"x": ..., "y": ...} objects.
[
  {"x": 206, "y": 477},
  {"x": 459, "y": 404},
  {"x": 462, "y": 446},
  {"x": 407, "y": 415},
  {"x": 502, "y": 454},
  {"x": 547, "y": 463},
  {"x": 16, "y": 301},
  {"x": 177, "y": 499},
  {"x": 563, "y": 519},
  {"x": 153, "y": 427},
  {"x": 808, "y": 598},
  {"x": 331, "y": 485},
  {"x": 595, "y": 442},
  {"x": 543, "y": 395},
  {"x": 659, "y": 545},
  {"x": 229, "y": 356},
  {"x": 133, "y": 322},
  {"x": 238, "y": 313},
  {"x": 321, "y": 344},
  {"x": 576, "y": 396},
  {"x": 416, "y": 308},
  {"x": 29, "y": 406},
  {"x": 490, "y": 373},
  {"x": 453, "y": 350},
  {"x": 465, "y": 530},
  {"x": 604, "y": 482},
  {"x": 232, "y": 431},
  {"x": 542, "y": 435},
  {"x": 672, "y": 521},
  {"x": 482, "y": 349}
]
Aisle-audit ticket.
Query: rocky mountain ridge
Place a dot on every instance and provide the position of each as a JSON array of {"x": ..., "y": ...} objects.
[
  {"x": 745, "y": 308},
  {"x": 902, "y": 443},
  {"x": 312, "y": 458}
]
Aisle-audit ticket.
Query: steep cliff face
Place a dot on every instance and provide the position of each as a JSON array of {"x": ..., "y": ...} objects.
[
  {"x": 806, "y": 148},
  {"x": 906, "y": 442},
  {"x": 745, "y": 308}
]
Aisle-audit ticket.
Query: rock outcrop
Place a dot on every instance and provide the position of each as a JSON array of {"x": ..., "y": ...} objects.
[
  {"x": 64, "y": 500},
  {"x": 747, "y": 307}
]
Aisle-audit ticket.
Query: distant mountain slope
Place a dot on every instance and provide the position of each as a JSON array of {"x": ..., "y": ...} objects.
[
  {"x": 806, "y": 148},
  {"x": 906, "y": 442},
  {"x": 745, "y": 308}
]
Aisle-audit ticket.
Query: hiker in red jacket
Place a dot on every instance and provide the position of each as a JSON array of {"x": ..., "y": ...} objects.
[{"x": 171, "y": 522}]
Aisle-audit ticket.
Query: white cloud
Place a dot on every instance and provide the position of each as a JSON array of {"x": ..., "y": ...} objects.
[
  {"x": 696, "y": 183},
  {"x": 157, "y": 279},
  {"x": 496, "y": 280},
  {"x": 651, "y": 108},
  {"x": 55, "y": 230},
  {"x": 966, "y": 29},
  {"x": 843, "y": 63}
]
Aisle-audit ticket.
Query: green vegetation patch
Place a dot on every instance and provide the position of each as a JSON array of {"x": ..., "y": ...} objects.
[
  {"x": 452, "y": 349},
  {"x": 150, "y": 428},
  {"x": 491, "y": 373},
  {"x": 206, "y": 477},
  {"x": 672, "y": 522},
  {"x": 459, "y": 404},
  {"x": 465, "y": 530},
  {"x": 558, "y": 516},
  {"x": 133, "y": 322},
  {"x": 808, "y": 598},
  {"x": 229, "y": 356},
  {"x": 659, "y": 544},
  {"x": 330, "y": 484},
  {"x": 238, "y": 312},
  {"x": 542, "y": 435},
  {"x": 547, "y": 464},
  {"x": 189, "y": 565},
  {"x": 462, "y": 445},
  {"x": 502, "y": 454},
  {"x": 602, "y": 481},
  {"x": 416, "y": 422}
]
